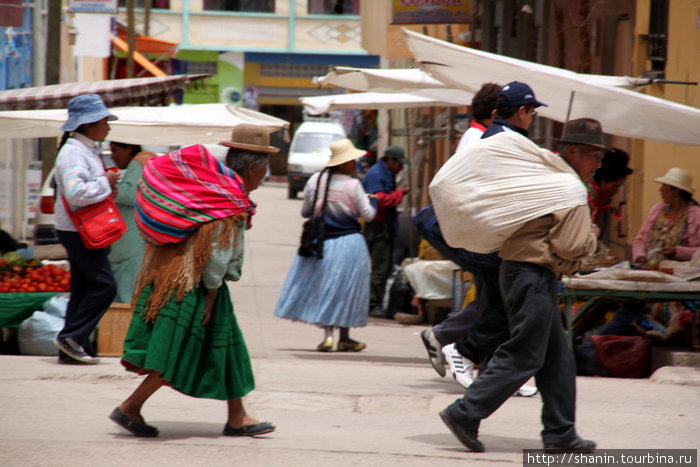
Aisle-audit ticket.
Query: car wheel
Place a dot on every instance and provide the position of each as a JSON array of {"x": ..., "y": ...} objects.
[{"x": 291, "y": 193}]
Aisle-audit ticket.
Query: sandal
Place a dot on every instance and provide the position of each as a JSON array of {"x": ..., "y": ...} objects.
[
  {"x": 249, "y": 430},
  {"x": 135, "y": 428},
  {"x": 350, "y": 346},
  {"x": 326, "y": 345}
]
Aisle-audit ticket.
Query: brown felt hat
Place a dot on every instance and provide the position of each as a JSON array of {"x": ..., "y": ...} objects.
[
  {"x": 584, "y": 131},
  {"x": 249, "y": 137}
]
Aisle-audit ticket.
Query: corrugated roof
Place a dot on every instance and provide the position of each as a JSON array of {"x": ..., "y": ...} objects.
[{"x": 151, "y": 91}]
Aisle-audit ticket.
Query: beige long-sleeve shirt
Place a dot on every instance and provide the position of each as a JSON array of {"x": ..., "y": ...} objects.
[{"x": 557, "y": 241}]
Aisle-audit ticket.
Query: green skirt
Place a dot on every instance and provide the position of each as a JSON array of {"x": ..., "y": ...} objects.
[{"x": 201, "y": 361}]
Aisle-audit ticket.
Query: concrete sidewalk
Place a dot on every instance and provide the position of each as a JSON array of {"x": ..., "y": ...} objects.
[{"x": 374, "y": 408}]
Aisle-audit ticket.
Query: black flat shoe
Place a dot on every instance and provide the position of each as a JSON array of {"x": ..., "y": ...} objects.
[
  {"x": 249, "y": 430},
  {"x": 466, "y": 436},
  {"x": 135, "y": 428},
  {"x": 575, "y": 445}
]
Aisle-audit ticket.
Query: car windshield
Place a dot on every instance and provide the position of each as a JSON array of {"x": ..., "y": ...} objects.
[{"x": 314, "y": 142}]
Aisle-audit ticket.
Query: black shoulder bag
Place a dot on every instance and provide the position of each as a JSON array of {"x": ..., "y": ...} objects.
[{"x": 313, "y": 230}]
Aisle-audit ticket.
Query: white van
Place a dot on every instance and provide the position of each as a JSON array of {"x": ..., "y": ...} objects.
[{"x": 310, "y": 151}]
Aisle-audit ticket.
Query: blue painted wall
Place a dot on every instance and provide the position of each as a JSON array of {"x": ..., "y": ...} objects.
[{"x": 16, "y": 54}]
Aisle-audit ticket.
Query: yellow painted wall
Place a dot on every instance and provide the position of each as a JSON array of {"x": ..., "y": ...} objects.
[{"x": 683, "y": 64}]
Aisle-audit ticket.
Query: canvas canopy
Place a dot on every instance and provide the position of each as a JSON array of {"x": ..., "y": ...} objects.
[
  {"x": 410, "y": 79},
  {"x": 622, "y": 112},
  {"x": 174, "y": 125},
  {"x": 316, "y": 105},
  {"x": 380, "y": 80}
]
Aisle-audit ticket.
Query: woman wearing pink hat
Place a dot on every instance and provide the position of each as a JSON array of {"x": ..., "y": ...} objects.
[{"x": 672, "y": 227}]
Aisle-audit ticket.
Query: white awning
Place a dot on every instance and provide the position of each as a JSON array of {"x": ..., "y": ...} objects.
[
  {"x": 621, "y": 112},
  {"x": 174, "y": 125},
  {"x": 316, "y": 105},
  {"x": 410, "y": 79},
  {"x": 380, "y": 80}
]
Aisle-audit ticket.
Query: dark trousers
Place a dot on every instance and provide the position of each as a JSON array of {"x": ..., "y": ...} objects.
[
  {"x": 381, "y": 252},
  {"x": 475, "y": 326},
  {"x": 92, "y": 289},
  {"x": 478, "y": 342},
  {"x": 537, "y": 346}
]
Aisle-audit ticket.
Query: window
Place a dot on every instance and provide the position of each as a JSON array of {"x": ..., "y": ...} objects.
[
  {"x": 159, "y": 4},
  {"x": 262, "y": 6},
  {"x": 658, "y": 38},
  {"x": 334, "y": 7},
  {"x": 292, "y": 70}
]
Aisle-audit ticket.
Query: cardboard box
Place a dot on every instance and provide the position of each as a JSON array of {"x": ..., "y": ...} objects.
[{"x": 112, "y": 330}]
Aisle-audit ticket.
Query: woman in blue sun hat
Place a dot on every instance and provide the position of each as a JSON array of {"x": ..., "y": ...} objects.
[{"x": 82, "y": 180}]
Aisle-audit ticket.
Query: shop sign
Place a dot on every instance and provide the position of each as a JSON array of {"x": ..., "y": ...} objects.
[
  {"x": 430, "y": 11},
  {"x": 92, "y": 6}
]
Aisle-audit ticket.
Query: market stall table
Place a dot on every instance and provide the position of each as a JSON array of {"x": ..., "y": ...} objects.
[
  {"x": 625, "y": 283},
  {"x": 16, "y": 307}
]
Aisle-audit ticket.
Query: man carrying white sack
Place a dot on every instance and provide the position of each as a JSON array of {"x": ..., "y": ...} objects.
[{"x": 532, "y": 205}]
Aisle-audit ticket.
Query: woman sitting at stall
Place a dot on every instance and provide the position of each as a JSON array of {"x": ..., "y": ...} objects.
[{"x": 671, "y": 230}]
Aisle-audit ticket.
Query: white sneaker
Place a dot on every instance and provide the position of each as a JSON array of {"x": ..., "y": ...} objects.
[
  {"x": 526, "y": 391},
  {"x": 434, "y": 354},
  {"x": 461, "y": 368}
]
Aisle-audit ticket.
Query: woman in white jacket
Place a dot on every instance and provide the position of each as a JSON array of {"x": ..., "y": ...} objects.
[{"x": 81, "y": 180}]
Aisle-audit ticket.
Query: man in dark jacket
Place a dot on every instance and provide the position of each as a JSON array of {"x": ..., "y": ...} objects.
[{"x": 380, "y": 182}]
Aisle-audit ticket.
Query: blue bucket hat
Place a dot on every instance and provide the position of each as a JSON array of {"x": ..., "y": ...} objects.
[
  {"x": 517, "y": 94},
  {"x": 86, "y": 108}
]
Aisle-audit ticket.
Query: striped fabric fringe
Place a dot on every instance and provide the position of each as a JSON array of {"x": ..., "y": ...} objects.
[{"x": 184, "y": 189}]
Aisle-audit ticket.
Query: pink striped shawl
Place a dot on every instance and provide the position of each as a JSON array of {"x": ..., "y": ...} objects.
[{"x": 183, "y": 189}]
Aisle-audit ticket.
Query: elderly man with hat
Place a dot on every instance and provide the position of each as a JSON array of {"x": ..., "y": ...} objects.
[
  {"x": 81, "y": 180},
  {"x": 380, "y": 181},
  {"x": 534, "y": 257},
  {"x": 183, "y": 332}
]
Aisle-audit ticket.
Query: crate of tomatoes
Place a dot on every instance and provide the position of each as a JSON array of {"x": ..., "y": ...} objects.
[{"x": 32, "y": 276}]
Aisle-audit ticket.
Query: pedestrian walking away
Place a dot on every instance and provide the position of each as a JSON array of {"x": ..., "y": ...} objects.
[
  {"x": 81, "y": 180},
  {"x": 183, "y": 331},
  {"x": 333, "y": 291},
  {"x": 534, "y": 256}
]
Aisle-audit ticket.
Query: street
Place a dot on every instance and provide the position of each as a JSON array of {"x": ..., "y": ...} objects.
[{"x": 377, "y": 407}]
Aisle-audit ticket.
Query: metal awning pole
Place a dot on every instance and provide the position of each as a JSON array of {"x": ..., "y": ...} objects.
[
  {"x": 571, "y": 103},
  {"x": 130, "y": 38}
]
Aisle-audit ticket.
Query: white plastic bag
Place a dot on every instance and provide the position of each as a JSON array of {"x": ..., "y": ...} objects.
[
  {"x": 485, "y": 193},
  {"x": 57, "y": 305},
  {"x": 37, "y": 333}
]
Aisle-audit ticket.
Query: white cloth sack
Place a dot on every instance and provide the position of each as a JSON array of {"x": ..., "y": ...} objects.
[
  {"x": 486, "y": 192},
  {"x": 430, "y": 280}
]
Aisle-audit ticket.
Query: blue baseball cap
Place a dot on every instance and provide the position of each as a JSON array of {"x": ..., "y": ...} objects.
[
  {"x": 517, "y": 94},
  {"x": 86, "y": 108}
]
